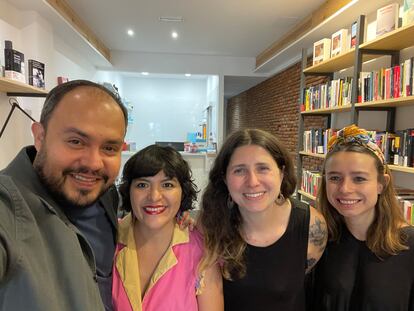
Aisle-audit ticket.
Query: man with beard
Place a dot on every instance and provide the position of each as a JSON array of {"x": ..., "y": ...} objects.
[{"x": 58, "y": 204}]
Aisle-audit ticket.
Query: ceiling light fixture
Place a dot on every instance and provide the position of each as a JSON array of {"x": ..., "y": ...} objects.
[
  {"x": 130, "y": 32},
  {"x": 188, "y": 74},
  {"x": 174, "y": 34},
  {"x": 169, "y": 19},
  {"x": 144, "y": 73}
]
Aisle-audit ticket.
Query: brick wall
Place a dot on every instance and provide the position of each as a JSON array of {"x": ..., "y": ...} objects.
[{"x": 273, "y": 105}]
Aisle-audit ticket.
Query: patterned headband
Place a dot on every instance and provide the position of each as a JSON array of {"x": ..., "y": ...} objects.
[{"x": 355, "y": 135}]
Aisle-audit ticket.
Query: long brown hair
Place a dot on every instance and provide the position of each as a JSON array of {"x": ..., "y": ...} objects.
[
  {"x": 220, "y": 218},
  {"x": 384, "y": 236}
]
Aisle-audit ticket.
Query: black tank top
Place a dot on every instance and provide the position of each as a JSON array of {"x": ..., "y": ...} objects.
[{"x": 276, "y": 273}]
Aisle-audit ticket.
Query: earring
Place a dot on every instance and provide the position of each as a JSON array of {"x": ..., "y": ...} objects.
[
  {"x": 230, "y": 202},
  {"x": 280, "y": 199}
]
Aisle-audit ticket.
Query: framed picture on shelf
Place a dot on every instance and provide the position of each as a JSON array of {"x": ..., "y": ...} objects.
[
  {"x": 321, "y": 50},
  {"x": 338, "y": 41}
]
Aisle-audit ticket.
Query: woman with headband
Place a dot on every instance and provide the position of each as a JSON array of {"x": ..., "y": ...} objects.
[{"x": 368, "y": 263}]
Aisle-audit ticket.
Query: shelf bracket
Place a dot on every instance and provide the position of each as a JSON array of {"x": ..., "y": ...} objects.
[{"x": 17, "y": 94}]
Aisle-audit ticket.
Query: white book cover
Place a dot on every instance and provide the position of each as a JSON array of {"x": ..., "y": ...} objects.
[
  {"x": 387, "y": 18},
  {"x": 339, "y": 42},
  {"x": 408, "y": 12},
  {"x": 321, "y": 50}
]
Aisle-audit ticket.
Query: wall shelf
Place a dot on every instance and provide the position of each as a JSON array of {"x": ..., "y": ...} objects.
[
  {"x": 307, "y": 195},
  {"x": 403, "y": 169},
  {"x": 16, "y": 88},
  {"x": 310, "y": 154},
  {"x": 343, "y": 108},
  {"x": 398, "y": 39},
  {"x": 386, "y": 103}
]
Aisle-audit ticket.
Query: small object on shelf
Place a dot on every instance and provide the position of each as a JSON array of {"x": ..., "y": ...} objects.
[
  {"x": 61, "y": 80},
  {"x": 321, "y": 50},
  {"x": 353, "y": 34},
  {"x": 408, "y": 12},
  {"x": 36, "y": 73},
  {"x": 339, "y": 42},
  {"x": 387, "y": 19},
  {"x": 13, "y": 63}
]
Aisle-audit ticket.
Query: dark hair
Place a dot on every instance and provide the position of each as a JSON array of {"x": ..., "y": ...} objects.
[
  {"x": 57, "y": 93},
  {"x": 221, "y": 225},
  {"x": 149, "y": 162}
]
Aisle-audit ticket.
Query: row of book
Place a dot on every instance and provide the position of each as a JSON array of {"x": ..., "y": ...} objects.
[
  {"x": 310, "y": 182},
  {"x": 316, "y": 140},
  {"x": 405, "y": 199},
  {"x": 387, "y": 83},
  {"x": 335, "y": 93},
  {"x": 398, "y": 147}
]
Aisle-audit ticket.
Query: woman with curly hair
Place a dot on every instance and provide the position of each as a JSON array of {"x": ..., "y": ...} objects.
[
  {"x": 156, "y": 265},
  {"x": 264, "y": 240},
  {"x": 369, "y": 261}
]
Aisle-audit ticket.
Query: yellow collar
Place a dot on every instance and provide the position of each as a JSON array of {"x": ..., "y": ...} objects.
[{"x": 127, "y": 260}]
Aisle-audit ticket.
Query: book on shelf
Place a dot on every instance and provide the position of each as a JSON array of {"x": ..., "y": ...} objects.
[
  {"x": 387, "y": 83},
  {"x": 321, "y": 50},
  {"x": 339, "y": 42},
  {"x": 310, "y": 182},
  {"x": 387, "y": 18},
  {"x": 14, "y": 68},
  {"x": 36, "y": 73},
  {"x": 408, "y": 12},
  {"x": 353, "y": 34}
]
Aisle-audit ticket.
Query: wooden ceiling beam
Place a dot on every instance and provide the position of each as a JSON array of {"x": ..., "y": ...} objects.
[
  {"x": 308, "y": 23},
  {"x": 73, "y": 19}
]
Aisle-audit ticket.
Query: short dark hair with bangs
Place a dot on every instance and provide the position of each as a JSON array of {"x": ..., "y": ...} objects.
[{"x": 149, "y": 162}]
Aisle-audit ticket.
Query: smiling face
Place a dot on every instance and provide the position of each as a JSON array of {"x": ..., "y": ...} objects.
[
  {"x": 253, "y": 179},
  {"x": 155, "y": 200},
  {"x": 352, "y": 185},
  {"x": 79, "y": 153}
]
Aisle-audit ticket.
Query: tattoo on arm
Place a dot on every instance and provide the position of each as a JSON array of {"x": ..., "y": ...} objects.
[
  {"x": 318, "y": 234},
  {"x": 310, "y": 263}
]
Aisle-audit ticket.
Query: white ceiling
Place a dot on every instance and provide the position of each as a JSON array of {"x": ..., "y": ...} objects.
[{"x": 215, "y": 27}]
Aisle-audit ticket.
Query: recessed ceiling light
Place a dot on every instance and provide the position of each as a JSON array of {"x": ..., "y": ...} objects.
[
  {"x": 174, "y": 34},
  {"x": 188, "y": 74},
  {"x": 130, "y": 32},
  {"x": 144, "y": 73}
]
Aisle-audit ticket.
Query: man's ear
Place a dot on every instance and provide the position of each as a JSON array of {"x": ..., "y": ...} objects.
[
  {"x": 384, "y": 183},
  {"x": 38, "y": 134}
]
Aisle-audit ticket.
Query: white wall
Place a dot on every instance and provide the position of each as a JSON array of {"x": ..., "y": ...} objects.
[
  {"x": 33, "y": 36},
  {"x": 165, "y": 109}
]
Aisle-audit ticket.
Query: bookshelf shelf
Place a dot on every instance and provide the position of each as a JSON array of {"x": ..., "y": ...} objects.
[
  {"x": 305, "y": 194},
  {"x": 16, "y": 88},
  {"x": 398, "y": 39},
  {"x": 393, "y": 102},
  {"x": 310, "y": 154},
  {"x": 344, "y": 108},
  {"x": 403, "y": 169}
]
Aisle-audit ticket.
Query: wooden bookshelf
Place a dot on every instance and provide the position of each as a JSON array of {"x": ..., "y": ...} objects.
[
  {"x": 392, "y": 102},
  {"x": 10, "y": 86},
  {"x": 403, "y": 169},
  {"x": 328, "y": 110},
  {"x": 305, "y": 194},
  {"x": 396, "y": 40},
  {"x": 310, "y": 154},
  {"x": 336, "y": 63}
]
